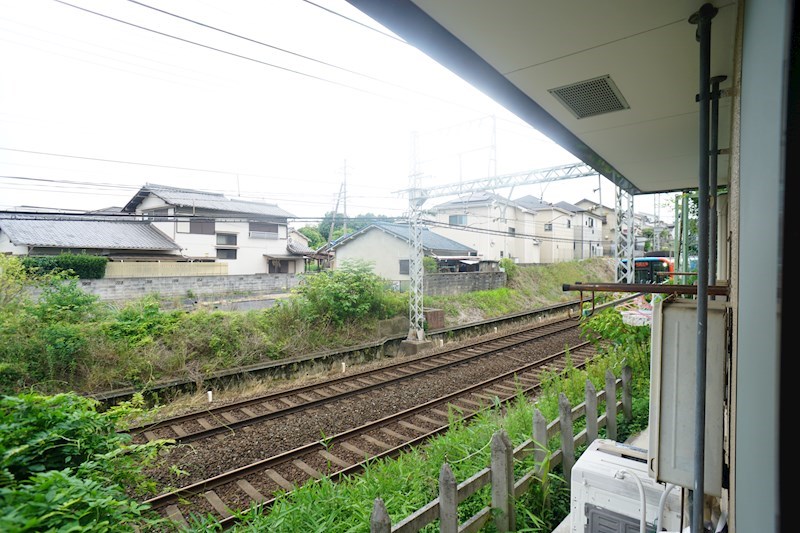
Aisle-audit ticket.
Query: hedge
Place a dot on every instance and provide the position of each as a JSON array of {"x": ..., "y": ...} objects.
[{"x": 84, "y": 266}]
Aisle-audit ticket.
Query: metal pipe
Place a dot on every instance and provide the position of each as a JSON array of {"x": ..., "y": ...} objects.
[
  {"x": 652, "y": 288},
  {"x": 713, "y": 167},
  {"x": 702, "y": 18}
]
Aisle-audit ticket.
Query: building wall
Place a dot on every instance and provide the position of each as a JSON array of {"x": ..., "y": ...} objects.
[
  {"x": 587, "y": 233},
  {"x": 383, "y": 251},
  {"x": 557, "y": 243},
  {"x": 7, "y": 247}
]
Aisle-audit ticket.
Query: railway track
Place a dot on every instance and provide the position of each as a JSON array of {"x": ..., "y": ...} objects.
[
  {"x": 347, "y": 452},
  {"x": 229, "y": 418}
]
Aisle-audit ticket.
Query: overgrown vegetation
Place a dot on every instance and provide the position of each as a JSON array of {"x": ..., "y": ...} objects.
[
  {"x": 64, "y": 466},
  {"x": 54, "y": 337}
]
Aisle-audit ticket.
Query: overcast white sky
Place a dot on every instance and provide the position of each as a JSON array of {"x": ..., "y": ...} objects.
[{"x": 292, "y": 99}]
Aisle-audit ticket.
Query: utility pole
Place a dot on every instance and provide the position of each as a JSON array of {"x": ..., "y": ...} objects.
[{"x": 344, "y": 191}]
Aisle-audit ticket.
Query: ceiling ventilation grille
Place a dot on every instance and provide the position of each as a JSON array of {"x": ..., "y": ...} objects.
[{"x": 591, "y": 97}]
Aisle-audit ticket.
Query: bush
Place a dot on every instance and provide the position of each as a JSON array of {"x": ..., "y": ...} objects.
[
  {"x": 81, "y": 265},
  {"x": 62, "y": 464},
  {"x": 351, "y": 292}
]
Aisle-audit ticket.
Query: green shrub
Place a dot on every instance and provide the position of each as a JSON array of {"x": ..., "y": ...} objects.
[
  {"x": 429, "y": 264},
  {"x": 510, "y": 267},
  {"x": 350, "y": 292},
  {"x": 142, "y": 321},
  {"x": 63, "y": 463},
  {"x": 64, "y": 301},
  {"x": 81, "y": 265}
]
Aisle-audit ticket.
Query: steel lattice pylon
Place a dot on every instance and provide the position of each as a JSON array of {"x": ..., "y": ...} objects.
[{"x": 624, "y": 239}]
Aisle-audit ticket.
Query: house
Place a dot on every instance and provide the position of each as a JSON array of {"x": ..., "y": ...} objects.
[
  {"x": 526, "y": 230},
  {"x": 608, "y": 218},
  {"x": 387, "y": 246},
  {"x": 670, "y": 97},
  {"x": 119, "y": 240},
  {"x": 587, "y": 231},
  {"x": 251, "y": 237}
]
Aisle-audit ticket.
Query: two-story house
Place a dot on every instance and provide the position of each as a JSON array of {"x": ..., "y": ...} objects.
[
  {"x": 587, "y": 231},
  {"x": 526, "y": 230},
  {"x": 251, "y": 237}
]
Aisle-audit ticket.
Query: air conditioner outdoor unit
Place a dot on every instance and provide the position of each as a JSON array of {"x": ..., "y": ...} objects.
[{"x": 606, "y": 497}]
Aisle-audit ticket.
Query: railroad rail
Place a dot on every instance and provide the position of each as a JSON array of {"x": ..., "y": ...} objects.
[
  {"x": 347, "y": 452},
  {"x": 228, "y": 418}
]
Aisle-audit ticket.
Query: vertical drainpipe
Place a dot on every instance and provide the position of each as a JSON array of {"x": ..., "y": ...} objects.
[
  {"x": 713, "y": 154},
  {"x": 702, "y": 18}
]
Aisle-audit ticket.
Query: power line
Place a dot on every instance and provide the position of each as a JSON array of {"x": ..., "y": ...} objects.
[
  {"x": 220, "y": 50},
  {"x": 389, "y": 35}
]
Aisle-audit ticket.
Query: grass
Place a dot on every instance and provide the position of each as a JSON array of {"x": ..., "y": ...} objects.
[{"x": 410, "y": 481}]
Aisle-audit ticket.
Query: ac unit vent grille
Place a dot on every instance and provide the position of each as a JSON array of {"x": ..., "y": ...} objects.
[{"x": 591, "y": 97}]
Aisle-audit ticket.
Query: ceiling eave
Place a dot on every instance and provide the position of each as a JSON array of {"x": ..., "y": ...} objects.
[{"x": 407, "y": 20}]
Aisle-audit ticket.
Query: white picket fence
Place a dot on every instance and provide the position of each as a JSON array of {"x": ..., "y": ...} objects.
[{"x": 500, "y": 474}]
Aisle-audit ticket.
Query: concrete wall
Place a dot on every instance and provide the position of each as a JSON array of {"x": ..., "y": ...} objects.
[
  {"x": 451, "y": 283},
  {"x": 203, "y": 287}
]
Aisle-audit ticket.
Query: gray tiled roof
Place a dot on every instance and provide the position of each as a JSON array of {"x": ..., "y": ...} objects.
[
  {"x": 431, "y": 242},
  {"x": 205, "y": 200},
  {"x": 531, "y": 203},
  {"x": 60, "y": 233}
]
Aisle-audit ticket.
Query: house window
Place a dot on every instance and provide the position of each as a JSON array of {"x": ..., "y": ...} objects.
[
  {"x": 548, "y": 226},
  {"x": 226, "y": 253},
  {"x": 226, "y": 239},
  {"x": 512, "y": 231},
  {"x": 458, "y": 220},
  {"x": 404, "y": 266},
  {"x": 569, "y": 223},
  {"x": 202, "y": 226},
  {"x": 157, "y": 214},
  {"x": 263, "y": 230},
  {"x": 590, "y": 222}
]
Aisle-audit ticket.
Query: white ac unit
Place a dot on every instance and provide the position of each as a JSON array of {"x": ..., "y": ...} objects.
[{"x": 605, "y": 497}]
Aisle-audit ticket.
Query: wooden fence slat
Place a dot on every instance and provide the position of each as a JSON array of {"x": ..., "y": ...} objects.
[
  {"x": 540, "y": 441},
  {"x": 448, "y": 501},
  {"x": 611, "y": 405},
  {"x": 627, "y": 397},
  {"x": 503, "y": 482},
  {"x": 591, "y": 412},
  {"x": 379, "y": 521},
  {"x": 567, "y": 442}
]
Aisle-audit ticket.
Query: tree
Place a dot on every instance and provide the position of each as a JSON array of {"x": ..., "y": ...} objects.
[{"x": 315, "y": 238}]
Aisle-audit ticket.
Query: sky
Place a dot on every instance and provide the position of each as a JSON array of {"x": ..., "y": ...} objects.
[{"x": 309, "y": 105}]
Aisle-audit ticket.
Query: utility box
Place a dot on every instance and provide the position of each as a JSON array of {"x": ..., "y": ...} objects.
[
  {"x": 605, "y": 497},
  {"x": 673, "y": 392},
  {"x": 434, "y": 318}
]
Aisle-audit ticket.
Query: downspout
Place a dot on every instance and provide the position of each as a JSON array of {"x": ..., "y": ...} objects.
[
  {"x": 703, "y": 20},
  {"x": 714, "y": 154}
]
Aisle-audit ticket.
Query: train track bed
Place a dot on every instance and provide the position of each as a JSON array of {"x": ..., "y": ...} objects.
[
  {"x": 345, "y": 452},
  {"x": 188, "y": 464}
]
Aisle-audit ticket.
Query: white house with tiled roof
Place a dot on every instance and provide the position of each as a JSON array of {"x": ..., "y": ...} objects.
[
  {"x": 386, "y": 247},
  {"x": 251, "y": 237}
]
